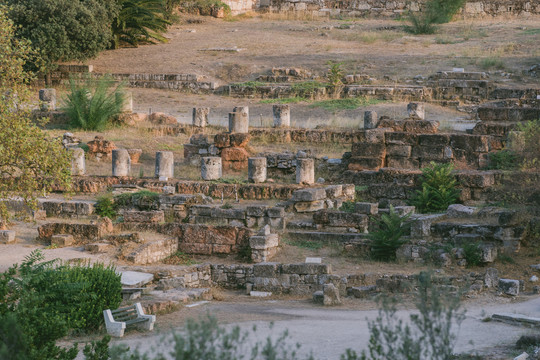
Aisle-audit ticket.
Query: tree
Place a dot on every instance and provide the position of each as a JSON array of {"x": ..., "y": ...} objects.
[
  {"x": 63, "y": 30},
  {"x": 31, "y": 163},
  {"x": 140, "y": 20}
]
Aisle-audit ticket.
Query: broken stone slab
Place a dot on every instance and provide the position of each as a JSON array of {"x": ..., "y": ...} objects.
[
  {"x": 491, "y": 278},
  {"x": 309, "y": 206},
  {"x": 135, "y": 278},
  {"x": 61, "y": 240},
  {"x": 7, "y": 236},
  {"x": 517, "y": 319},
  {"x": 460, "y": 211},
  {"x": 522, "y": 356},
  {"x": 97, "y": 247},
  {"x": 362, "y": 292},
  {"x": 233, "y": 49},
  {"x": 331, "y": 295},
  {"x": 313, "y": 260},
  {"x": 509, "y": 286},
  {"x": 366, "y": 208},
  {"x": 260, "y": 293}
]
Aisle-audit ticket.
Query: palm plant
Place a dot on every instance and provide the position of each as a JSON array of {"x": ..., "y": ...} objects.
[
  {"x": 140, "y": 20},
  {"x": 388, "y": 237}
]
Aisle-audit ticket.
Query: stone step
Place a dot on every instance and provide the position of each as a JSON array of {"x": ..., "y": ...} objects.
[
  {"x": 326, "y": 237},
  {"x": 517, "y": 319},
  {"x": 302, "y": 225}
]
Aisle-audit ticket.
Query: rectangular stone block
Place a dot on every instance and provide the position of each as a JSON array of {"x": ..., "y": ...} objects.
[
  {"x": 306, "y": 269},
  {"x": 197, "y": 248},
  {"x": 275, "y": 212},
  {"x": 270, "y": 270},
  {"x": 201, "y": 210},
  {"x": 257, "y": 211},
  {"x": 154, "y": 217},
  {"x": 366, "y": 208},
  {"x": 365, "y": 163},
  {"x": 334, "y": 191},
  {"x": 309, "y": 206},
  {"x": 398, "y": 150},
  {"x": 309, "y": 194},
  {"x": 62, "y": 240},
  {"x": 7, "y": 236},
  {"x": 368, "y": 150},
  {"x": 238, "y": 214}
]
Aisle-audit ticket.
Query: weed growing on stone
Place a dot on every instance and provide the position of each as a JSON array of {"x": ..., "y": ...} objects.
[
  {"x": 472, "y": 253},
  {"x": 179, "y": 258}
]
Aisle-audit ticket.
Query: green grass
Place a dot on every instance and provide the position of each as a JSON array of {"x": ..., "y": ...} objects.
[
  {"x": 492, "y": 62},
  {"x": 345, "y": 104},
  {"x": 289, "y": 100},
  {"x": 531, "y": 32},
  {"x": 250, "y": 84},
  {"x": 304, "y": 244},
  {"x": 237, "y": 181}
]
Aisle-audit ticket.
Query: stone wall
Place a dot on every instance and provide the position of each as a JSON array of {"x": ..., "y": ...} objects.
[{"x": 391, "y": 8}]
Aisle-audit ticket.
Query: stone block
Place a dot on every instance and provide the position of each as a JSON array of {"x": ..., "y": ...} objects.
[
  {"x": 239, "y": 140},
  {"x": 270, "y": 270},
  {"x": 154, "y": 217},
  {"x": 196, "y": 248},
  {"x": 334, "y": 191},
  {"x": 256, "y": 211},
  {"x": 7, "y": 236},
  {"x": 509, "y": 286},
  {"x": 234, "y": 154},
  {"x": 398, "y": 150},
  {"x": 97, "y": 247},
  {"x": 262, "y": 242},
  {"x": 362, "y": 292},
  {"x": 222, "y": 140},
  {"x": 349, "y": 191},
  {"x": 62, "y": 240},
  {"x": 275, "y": 212},
  {"x": 357, "y": 163},
  {"x": 331, "y": 295},
  {"x": 318, "y": 297},
  {"x": 402, "y": 162},
  {"x": 370, "y": 119},
  {"x": 491, "y": 278},
  {"x": 370, "y": 150},
  {"x": 309, "y": 206},
  {"x": 460, "y": 211},
  {"x": 306, "y": 269},
  {"x": 366, "y": 208},
  {"x": 477, "y": 179},
  {"x": 309, "y": 194},
  {"x": 416, "y": 110}
]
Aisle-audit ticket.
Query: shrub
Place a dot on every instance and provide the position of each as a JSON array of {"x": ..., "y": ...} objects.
[
  {"x": 388, "y": 236},
  {"x": 429, "y": 334},
  {"x": 503, "y": 160},
  {"x": 106, "y": 207},
  {"x": 472, "y": 252},
  {"x": 93, "y": 104},
  {"x": 142, "y": 200},
  {"x": 205, "y": 7},
  {"x": 439, "y": 189},
  {"x": 348, "y": 206},
  {"x": 435, "y": 12},
  {"x": 335, "y": 78},
  {"x": 529, "y": 144}
]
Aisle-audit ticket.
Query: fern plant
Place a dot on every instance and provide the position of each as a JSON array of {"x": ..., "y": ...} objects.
[
  {"x": 439, "y": 189},
  {"x": 388, "y": 236}
]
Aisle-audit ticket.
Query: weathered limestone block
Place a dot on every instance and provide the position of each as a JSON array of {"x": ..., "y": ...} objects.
[
  {"x": 366, "y": 208},
  {"x": 211, "y": 168},
  {"x": 460, "y": 211},
  {"x": 309, "y": 194},
  {"x": 239, "y": 139},
  {"x": 7, "y": 236},
  {"x": 334, "y": 191},
  {"x": 164, "y": 164},
  {"x": 370, "y": 150},
  {"x": 222, "y": 140},
  {"x": 62, "y": 240},
  {"x": 267, "y": 269},
  {"x": 305, "y": 171},
  {"x": 100, "y": 148},
  {"x": 509, "y": 287},
  {"x": 48, "y": 99},
  {"x": 257, "y": 169},
  {"x": 77, "y": 162},
  {"x": 309, "y": 206},
  {"x": 263, "y": 247},
  {"x": 134, "y": 155},
  {"x": 370, "y": 120},
  {"x": 239, "y": 120},
  {"x": 160, "y": 118},
  {"x": 154, "y": 217},
  {"x": 331, "y": 295},
  {"x": 491, "y": 278},
  {"x": 336, "y": 218},
  {"x": 362, "y": 292},
  {"x": 282, "y": 115},
  {"x": 200, "y": 117},
  {"x": 234, "y": 154},
  {"x": 121, "y": 162},
  {"x": 416, "y": 111},
  {"x": 153, "y": 252},
  {"x": 306, "y": 269},
  {"x": 398, "y": 150}
]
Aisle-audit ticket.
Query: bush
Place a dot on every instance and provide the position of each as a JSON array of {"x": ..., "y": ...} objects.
[
  {"x": 348, "y": 206},
  {"x": 388, "y": 236},
  {"x": 528, "y": 146},
  {"x": 435, "y": 12},
  {"x": 142, "y": 200},
  {"x": 205, "y": 7},
  {"x": 106, "y": 207},
  {"x": 439, "y": 189},
  {"x": 472, "y": 252},
  {"x": 94, "y": 103},
  {"x": 429, "y": 334},
  {"x": 503, "y": 160}
]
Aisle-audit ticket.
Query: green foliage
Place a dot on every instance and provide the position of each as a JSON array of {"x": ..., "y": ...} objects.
[
  {"x": 63, "y": 30},
  {"x": 205, "y": 7},
  {"x": 435, "y": 12},
  {"x": 250, "y": 84},
  {"x": 472, "y": 253},
  {"x": 529, "y": 148},
  {"x": 105, "y": 207},
  {"x": 505, "y": 259},
  {"x": 94, "y": 103},
  {"x": 227, "y": 205},
  {"x": 140, "y": 20},
  {"x": 335, "y": 78},
  {"x": 429, "y": 334},
  {"x": 345, "y": 104},
  {"x": 439, "y": 189},
  {"x": 305, "y": 244},
  {"x": 388, "y": 236},
  {"x": 306, "y": 89},
  {"x": 46, "y": 299},
  {"x": 289, "y": 100},
  {"x": 179, "y": 258},
  {"x": 492, "y": 62},
  {"x": 97, "y": 350},
  {"x": 142, "y": 200},
  {"x": 347, "y": 206},
  {"x": 31, "y": 162},
  {"x": 503, "y": 160}
]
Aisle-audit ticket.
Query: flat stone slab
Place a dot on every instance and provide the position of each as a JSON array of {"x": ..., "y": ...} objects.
[
  {"x": 517, "y": 319},
  {"x": 260, "y": 293},
  {"x": 313, "y": 260},
  {"x": 135, "y": 278},
  {"x": 197, "y": 304}
]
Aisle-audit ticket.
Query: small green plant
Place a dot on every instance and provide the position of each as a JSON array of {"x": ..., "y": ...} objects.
[
  {"x": 227, "y": 205},
  {"x": 179, "y": 258},
  {"x": 388, "y": 236},
  {"x": 205, "y": 7},
  {"x": 472, "y": 253},
  {"x": 305, "y": 244},
  {"x": 492, "y": 62},
  {"x": 105, "y": 207},
  {"x": 503, "y": 160},
  {"x": 529, "y": 149},
  {"x": 439, "y": 189},
  {"x": 505, "y": 259},
  {"x": 142, "y": 200},
  {"x": 335, "y": 78},
  {"x": 232, "y": 180},
  {"x": 435, "y": 12},
  {"x": 347, "y": 206},
  {"x": 345, "y": 104},
  {"x": 93, "y": 104}
]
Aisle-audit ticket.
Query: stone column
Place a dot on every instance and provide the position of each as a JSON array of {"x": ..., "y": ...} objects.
[
  {"x": 48, "y": 99},
  {"x": 200, "y": 117},
  {"x": 211, "y": 168},
  {"x": 305, "y": 171},
  {"x": 282, "y": 115},
  {"x": 370, "y": 120},
  {"x": 164, "y": 164},
  {"x": 77, "y": 161},
  {"x": 127, "y": 105},
  {"x": 239, "y": 120},
  {"x": 257, "y": 169},
  {"x": 121, "y": 162},
  {"x": 416, "y": 111}
]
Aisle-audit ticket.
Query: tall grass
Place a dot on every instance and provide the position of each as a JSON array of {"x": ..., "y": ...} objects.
[{"x": 92, "y": 104}]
